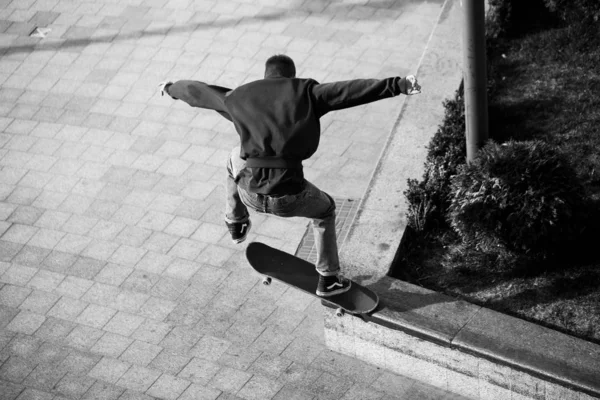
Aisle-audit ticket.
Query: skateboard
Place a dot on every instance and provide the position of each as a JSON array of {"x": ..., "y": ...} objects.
[{"x": 296, "y": 272}]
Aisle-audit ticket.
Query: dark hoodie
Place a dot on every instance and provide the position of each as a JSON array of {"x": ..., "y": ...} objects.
[{"x": 278, "y": 121}]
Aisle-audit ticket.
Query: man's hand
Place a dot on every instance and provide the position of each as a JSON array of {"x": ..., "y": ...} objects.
[
  {"x": 409, "y": 85},
  {"x": 163, "y": 87}
]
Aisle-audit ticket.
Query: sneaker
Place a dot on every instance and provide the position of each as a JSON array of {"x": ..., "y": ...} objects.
[
  {"x": 238, "y": 230},
  {"x": 332, "y": 285}
]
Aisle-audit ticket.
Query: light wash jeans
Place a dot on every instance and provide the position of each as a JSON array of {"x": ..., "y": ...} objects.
[{"x": 310, "y": 203}]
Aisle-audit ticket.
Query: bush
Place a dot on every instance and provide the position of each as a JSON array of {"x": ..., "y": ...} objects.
[
  {"x": 572, "y": 11},
  {"x": 428, "y": 200},
  {"x": 522, "y": 195},
  {"x": 512, "y": 18}
]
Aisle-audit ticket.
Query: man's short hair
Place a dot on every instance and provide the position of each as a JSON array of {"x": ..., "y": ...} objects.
[{"x": 280, "y": 66}]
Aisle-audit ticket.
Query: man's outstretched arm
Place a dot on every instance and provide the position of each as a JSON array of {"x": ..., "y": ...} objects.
[
  {"x": 344, "y": 94},
  {"x": 198, "y": 94}
]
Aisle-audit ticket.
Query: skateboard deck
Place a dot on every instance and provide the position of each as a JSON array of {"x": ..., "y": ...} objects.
[{"x": 296, "y": 272}]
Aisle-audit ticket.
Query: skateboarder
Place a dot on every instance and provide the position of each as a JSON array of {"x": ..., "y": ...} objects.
[{"x": 277, "y": 119}]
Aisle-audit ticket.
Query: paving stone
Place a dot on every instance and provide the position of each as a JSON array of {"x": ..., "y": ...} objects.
[
  {"x": 111, "y": 345},
  {"x": 39, "y": 301},
  {"x": 80, "y": 362},
  {"x": 109, "y": 370},
  {"x": 140, "y": 281},
  {"x": 255, "y": 310},
  {"x": 113, "y": 274},
  {"x": 19, "y": 234},
  {"x": 215, "y": 255},
  {"x": 182, "y": 269},
  {"x": 244, "y": 332},
  {"x": 199, "y": 392},
  {"x": 44, "y": 377},
  {"x": 67, "y": 308},
  {"x": 8, "y": 250},
  {"x": 24, "y": 214},
  {"x": 13, "y": 296},
  {"x": 73, "y": 244},
  {"x": 169, "y": 288},
  {"x": 187, "y": 249},
  {"x": 138, "y": 378},
  {"x": 359, "y": 392},
  {"x": 181, "y": 338},
  {"x": 331, "y": 385},
  {"x": 284, "y": 321},
  {"x": 170, "y": 362},
  {"x": 46, "y": 238},
  {"x": 269, "y": 365},
  {"x": 16, "y": 369},
  {"x": 210, "y": 276},
  {"x": 339, "y": 364},
  {"x": 99, "y": 250},
  {"x": 292, "y": 393},
  {"x": 46, "y": 280},
  {"x": 133, "y": 236},
  {"x": 10, "y": 390},
  {"x": 23, "y": 346},
  {"x": 160, "y": 242},
  {"x": 259, "y": 387},
  {"x": 58, "y": 261},
  {"x": 79, "y": 224},
  {"x": 168, "y": 387},
  {"x": 185, "y": 313},
  {"x": 106, "y": 230},
  {"x": 130, "y": 302},
  {"x": 31, "y": 256},
  {"x": 5, "y": 338},
  {"x": 83, "y": 337},
  {"x": 134, "y": 395},
  {"x": 54, "y": 328},
  {"x": 34, "y": 394},
  {"x": 104, "y": 391},
  {"x": 95, "y": 316},
  {"x": 300, "y": 375},
  {"x": 74, "y": 386},
  {"x": 26, "y": 322},
  {"x": 127, "y": 255},
  {"x": 229, "y": 379},
  {"x": 152, "y": 331},
  {"x": 199, "y": 371},
  {"x": 123, "y": 323},
  {"x": 140, "y": 353},
  {"x": 393, "y": 384},
  {"x": 239, "y": 356}
]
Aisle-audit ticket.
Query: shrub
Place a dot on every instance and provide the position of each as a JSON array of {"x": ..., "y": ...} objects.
[
  {"x": 571, "y": 11},
  {"x": 428, "y": 199},
  {"x": 522, "y": 195},
  {"x": 511, "y": 18}
]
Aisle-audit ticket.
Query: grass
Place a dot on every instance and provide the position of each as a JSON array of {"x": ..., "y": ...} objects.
[{"x": 544, "y": 85}]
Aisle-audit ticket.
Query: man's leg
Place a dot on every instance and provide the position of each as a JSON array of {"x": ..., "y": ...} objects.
[
  {"x": 317, "y": 205},
  {"x": 237, "y": 217}
]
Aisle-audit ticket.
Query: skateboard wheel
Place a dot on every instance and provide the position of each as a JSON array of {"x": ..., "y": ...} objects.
[
  {"x": 267, "y": 281},
  {"x": 339, "y": 312}
]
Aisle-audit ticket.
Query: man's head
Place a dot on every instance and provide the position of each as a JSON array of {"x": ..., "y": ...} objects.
[{"x": 280, "y": 66}]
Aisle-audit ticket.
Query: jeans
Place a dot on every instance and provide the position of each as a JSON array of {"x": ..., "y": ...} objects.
[{"x": 309, "y": 203}]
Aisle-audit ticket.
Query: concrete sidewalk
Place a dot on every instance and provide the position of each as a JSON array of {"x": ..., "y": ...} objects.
[{"x": 117, "y": 276}]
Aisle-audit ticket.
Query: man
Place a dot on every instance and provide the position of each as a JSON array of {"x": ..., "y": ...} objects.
[{"x": 277, "y": 119}]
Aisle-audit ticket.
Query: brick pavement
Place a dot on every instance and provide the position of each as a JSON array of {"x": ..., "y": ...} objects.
[{"x": 117, "y": 279}]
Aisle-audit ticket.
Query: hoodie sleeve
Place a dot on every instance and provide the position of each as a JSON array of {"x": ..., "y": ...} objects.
[
  {"x": 199, "y": 94},
  {"x": 344, "y": 94}
]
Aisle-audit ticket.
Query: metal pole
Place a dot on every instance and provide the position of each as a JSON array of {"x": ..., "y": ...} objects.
[{"x": 475, "y": 76}]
